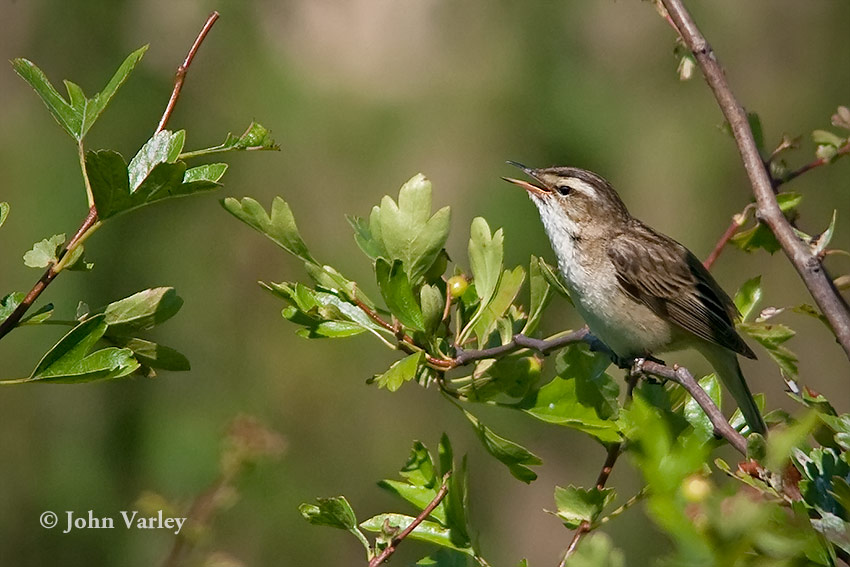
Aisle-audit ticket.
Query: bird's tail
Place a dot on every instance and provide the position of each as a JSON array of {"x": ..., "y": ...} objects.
[{"x": 725, "y": 363}]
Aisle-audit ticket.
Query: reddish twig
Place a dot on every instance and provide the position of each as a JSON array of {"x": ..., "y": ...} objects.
[
  {"x": 724, "y": 240},
  {"x": 843, "y": 150},
  {"x": 390, "y": 549},
  {"x": 183, "y": 69},
  {"x": 808, "y": 266}
]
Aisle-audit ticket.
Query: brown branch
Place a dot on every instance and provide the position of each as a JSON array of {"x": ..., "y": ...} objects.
[
  {"x": 683, "y": 377},
  {"x": 390, "y": 549},
  {"x": 183, "y": 69},
  {"x": 808, "y": 266}
]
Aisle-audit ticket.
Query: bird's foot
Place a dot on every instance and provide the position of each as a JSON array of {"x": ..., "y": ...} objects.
[{"x": 635, "y": 368}]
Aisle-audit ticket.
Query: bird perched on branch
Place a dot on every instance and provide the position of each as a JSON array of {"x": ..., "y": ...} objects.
[{"x": 640, "y": 292}]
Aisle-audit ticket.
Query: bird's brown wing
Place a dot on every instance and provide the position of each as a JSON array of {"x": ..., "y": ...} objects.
[{"x": 666, "y": 277}]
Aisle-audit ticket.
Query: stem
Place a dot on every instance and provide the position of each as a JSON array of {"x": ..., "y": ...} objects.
[
  {"x": 390, "y": 549},
  {"x": 183, "y": 69},
  {"x": 81, "y": 152},
  {"x": 808, "y": 266},
  {"x": 724, "y": 240},
  {"x": 614, "y": 451}
]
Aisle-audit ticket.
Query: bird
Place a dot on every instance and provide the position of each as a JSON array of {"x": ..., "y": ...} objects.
[{"x": 640, "y": 292}]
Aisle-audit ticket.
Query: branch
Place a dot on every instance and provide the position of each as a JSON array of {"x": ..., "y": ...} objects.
[
  {"x": 91, "y": 223},
  {"x": 683, "y": 377},
  {"x": 808, "y": 266},
  {"x": 183, "y": 69},
  {"x": 390, "y": 549}
]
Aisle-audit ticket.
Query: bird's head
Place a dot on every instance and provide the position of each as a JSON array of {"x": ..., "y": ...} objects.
[{"x": 571, "y": 198}]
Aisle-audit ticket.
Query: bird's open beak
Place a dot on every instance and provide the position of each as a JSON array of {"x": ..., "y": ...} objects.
[{"x": 528, "y": 186}]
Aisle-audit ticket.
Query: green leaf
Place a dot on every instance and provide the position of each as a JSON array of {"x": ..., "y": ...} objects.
[
  {"x": 4, "y": 212},
  {"x": 256, "y": 137},
  {"x": 398, "y": 293},
  {"x": 44, "y": 253},
  {"x": 512, "y": 375},
  {"x": 694, "y": 413},
  {"x": 771, "y": 337},
  {"x": 38, "y": 316},
  {"x": 142, "y": 310},
  {"x": 77, "y": 114},
  {"x": 154, "y": 355},
  {"x": 334, "y": 512},
  {"x": 485, "y": 258},
  {"x": 823, "y": 240},
  {"x": 162, "y": 147},
  {"x": 427, "y": 531},
  {"x": 279, "y": 227},
  {"x": 554, "y": 280},
  {"x": 210, "y": 172},
  {"x": 748, "y": 297},
  {"x": 400, "y": 372},
  {"x": 576, "y": 505},
  {"x": 433, "y": 302},
  {"x": 69, "y": 360},
  {"x": 516, "y": 457},
  {"x": 456, "y": 501},
  {"x": 76, "y": 260},
  {"x": 165, "y": 181},
  {"x": 109, "y": 183},
  {"x": 407, "y": 231},
  {"x": 826, "y": 138},
  {"x": 9, "y": 303},
  {"x": 507, "y": 289},
  {"x": 422, "y": 482},
  {"x": 760, "y": 235},
  {"x": 582, "y": 396},
  {"x": 540, "y": 291},
  {"x": 370, "y": 246},
  {"x": 324, "y": 314}
]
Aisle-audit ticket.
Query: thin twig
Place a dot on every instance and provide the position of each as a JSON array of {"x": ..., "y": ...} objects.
[
  {"x": 724, "y": 240},
  {"x": 390, "y": 549},
  {"x": 183, "y": 69},
  {"x": 808, "y": 266},
  {"x": 614, "y": 451},
  {"x": 843, "y": 150}
]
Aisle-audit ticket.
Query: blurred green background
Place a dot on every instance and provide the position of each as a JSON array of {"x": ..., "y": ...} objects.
[{"x": 361, "y": 95}]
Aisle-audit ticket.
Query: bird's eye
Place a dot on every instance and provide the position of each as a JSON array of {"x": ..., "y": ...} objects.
[{"x": 564, "y": 189}]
